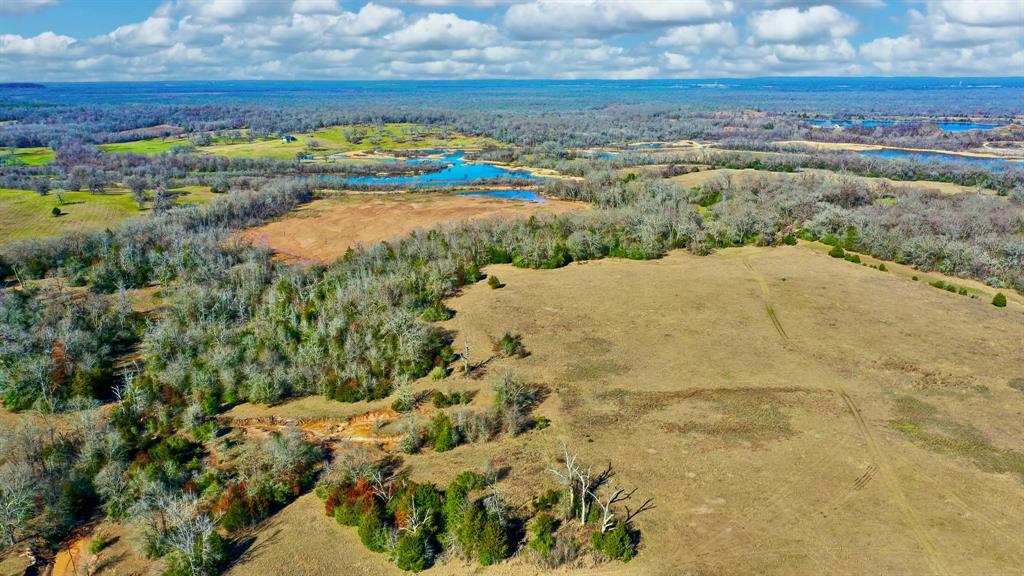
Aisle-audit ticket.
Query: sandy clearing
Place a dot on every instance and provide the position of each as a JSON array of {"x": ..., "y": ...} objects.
[{"x": 324, "y": 230}]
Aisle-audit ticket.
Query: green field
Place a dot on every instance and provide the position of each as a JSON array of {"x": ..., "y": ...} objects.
[
  {"x": 149, "y": 146},
  {"x": 31, "y": 156},
  {"x": 329, "y": 141},
  {"x": 351, "y": 138},
  {"x": 25, "y": 214}
]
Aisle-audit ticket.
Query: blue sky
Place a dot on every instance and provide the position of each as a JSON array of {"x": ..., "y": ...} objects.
[{"x": 83, "y": 40}]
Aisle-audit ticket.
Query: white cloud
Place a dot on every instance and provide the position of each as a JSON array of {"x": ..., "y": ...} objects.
[
  {"x": 357, "y": 39},
  {"x": 14, "y": 7},
  {"x": 440, "y": 31},
  {"x": 45, "y": 44},
  {"x": 371, "y": 19},
  {"x": 599, "y": 18},
  {"x": 154, "y": 31},
  {"x": 937, "y": 26},
  {"x": 677, "y": 62},
  {"x": 835, "y": 51},
  {"x": 442, "y": 3},
  {"x": 316, "y": 7},
  {"x": 793, "y": 25},
  {"x": 891, "y": 49},
  {"x": 984, "y": 12},
  {"x": 713, "y": 34}
]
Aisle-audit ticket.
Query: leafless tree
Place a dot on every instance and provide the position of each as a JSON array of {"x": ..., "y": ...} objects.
[
  {"x": 382, "y": 484},
  {"x": 16, "y": 500},
  {"x": 191, "y": 540}
]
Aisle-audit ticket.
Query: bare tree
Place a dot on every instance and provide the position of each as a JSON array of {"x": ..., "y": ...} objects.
[
  {"x": 16, "y": 500},
  {"x": 617, "y": 496},
  {"x": 191, "y": 540},
  {"x": 567, "y": 474},
  {"x": 466, "y": 363}
]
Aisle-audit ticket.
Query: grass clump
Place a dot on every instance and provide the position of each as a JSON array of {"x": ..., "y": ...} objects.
[
  {"x": 510, "y": 345},
  {"x": 98, "y": 542},
  {"x": 442, "y": 400}
]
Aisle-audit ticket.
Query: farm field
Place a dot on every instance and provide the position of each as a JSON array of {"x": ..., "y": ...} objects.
[
  {"x": 351, "y": 138},
  {"x": 325, "y": 229},
  {"x": 789, "y": 413},
  {"x": 148, "y": 146},
  {"x": 25, "y": 214},
  {"x": 37, "y": 156}
]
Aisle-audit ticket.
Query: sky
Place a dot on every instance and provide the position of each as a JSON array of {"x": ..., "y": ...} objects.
[{"x": 99, "y": 40}]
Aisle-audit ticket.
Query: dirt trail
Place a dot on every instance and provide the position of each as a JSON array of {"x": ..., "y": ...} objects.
[
  {"x": 766, "y": 296},
  {"x": 880, "y": 463},
  {"x": 358, "y": 429},
  {"x": 69, "y": 560}
]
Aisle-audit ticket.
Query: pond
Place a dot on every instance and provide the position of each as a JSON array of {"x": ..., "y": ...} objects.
[
  {"x": 456, "y": 171},
  {"x": 993, "y": 163},
  {"x": 945, "y": 126},
  {"x": 527, "y": 195}
]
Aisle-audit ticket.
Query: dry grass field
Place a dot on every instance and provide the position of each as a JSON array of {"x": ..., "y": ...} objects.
[
  {"x": 699, "y": 178},
  {"x": 324, "y": 230},
  {"x": 789, "y": 413}
]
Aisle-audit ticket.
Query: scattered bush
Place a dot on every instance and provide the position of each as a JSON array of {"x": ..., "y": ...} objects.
[
  {"x": 442, "y": 433},
  {"x": 616, "y": 543},
  {"x": 438, "y": 373},
  {"x": 999, "y": 300},
  {"x": 510, "y": 344},
  {"x": 542, "y": 539},
  {"x": 55, "y": 212},
  {"x": 442, "y": 400},
  {"x": 372, "y": 529},
  {"x": 98, "y": 542},
  {"x": 493, "y": 282},
  {"x": 411, "y": 552},
  {"x": 882, "y": 268},
  {"x": 837, "y": 252}
]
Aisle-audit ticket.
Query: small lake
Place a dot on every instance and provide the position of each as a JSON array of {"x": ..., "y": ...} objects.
[
  {"x": 526, "y": 195},
  {"x": 993, "y": 163},
  {"x": 456, "y": 171},
  {"x": 945, "y": 126}
]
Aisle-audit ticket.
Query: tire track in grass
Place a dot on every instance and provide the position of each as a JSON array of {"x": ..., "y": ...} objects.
[
  {"x": 879, "y": 458},
  {"x": 766, "y": 296}
]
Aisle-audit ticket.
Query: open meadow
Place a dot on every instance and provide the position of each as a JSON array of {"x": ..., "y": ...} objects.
[
  {"x": 325, "y": 229},
  {"x": 25, "y": 214},
  {"x": 789, "y": 413}
]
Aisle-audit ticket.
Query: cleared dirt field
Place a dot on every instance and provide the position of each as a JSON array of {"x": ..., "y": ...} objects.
[
  {"x": 324, "y": 229},
  {"x": 790, "y": 413}
]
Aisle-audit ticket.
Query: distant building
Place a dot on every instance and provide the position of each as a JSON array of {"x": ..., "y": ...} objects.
[{"x": 288, "y": 138}]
